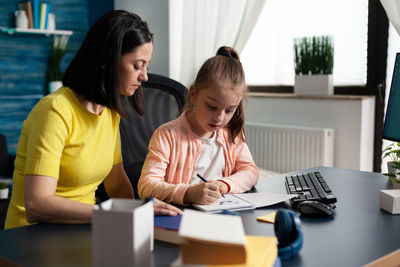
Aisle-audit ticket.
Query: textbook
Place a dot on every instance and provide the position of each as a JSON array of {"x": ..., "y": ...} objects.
[
  {"x": 211, "y": 238},
  {"x": 244, "y": 201},
  {"x": 262, "y": 251},
  {"x": 166, "y": 228}
]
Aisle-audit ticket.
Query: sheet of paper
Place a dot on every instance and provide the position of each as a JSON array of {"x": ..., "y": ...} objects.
[
  {"x": 205, "y": 227},
  {"x": 229, "y": 202},
  {"x": 263, "y": 199}
]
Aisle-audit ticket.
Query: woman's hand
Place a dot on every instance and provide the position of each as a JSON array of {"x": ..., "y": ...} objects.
[
  {"x": 202, "y": 193},
  {"x": 162, "y": 208}
]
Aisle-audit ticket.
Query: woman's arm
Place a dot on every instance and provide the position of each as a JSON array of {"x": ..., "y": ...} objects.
[
  {"x": 42, "y": 205},
  {"x": 117, "y": 183}
]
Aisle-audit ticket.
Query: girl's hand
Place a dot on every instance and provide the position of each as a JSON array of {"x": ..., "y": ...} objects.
[
  {"x": 162, "y": 208},
  {"x": 223, "y": 188},
  {"x": 202, "y": 193}
]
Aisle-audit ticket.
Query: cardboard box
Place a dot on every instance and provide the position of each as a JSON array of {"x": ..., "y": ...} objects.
[
  {"x": 122, "y": 233},
  {"x": 390, "y": 200}
]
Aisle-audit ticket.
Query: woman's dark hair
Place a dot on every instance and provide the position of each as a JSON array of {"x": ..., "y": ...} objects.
[
  {"x": 225, "y": 66},
  {"x": 94, "y": 71}
]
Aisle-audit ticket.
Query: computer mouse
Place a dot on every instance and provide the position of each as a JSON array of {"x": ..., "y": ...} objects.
[{"x": 315, "y": 208}]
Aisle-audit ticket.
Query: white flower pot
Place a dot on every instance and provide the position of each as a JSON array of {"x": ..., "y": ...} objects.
[
  {"x": 392, "y": 169},
  {"x": 54, "y": 85},
  {"x": 4, "y": 193},
  {"x": 396, "y": 185},
  {"x": 320, "y": 84}
]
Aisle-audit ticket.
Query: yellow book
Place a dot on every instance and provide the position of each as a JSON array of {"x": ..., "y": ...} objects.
[
  {"x": 42, "y": 15},
  {"x": 211, "y": 238},
  {"x": 262, "y": 251}
]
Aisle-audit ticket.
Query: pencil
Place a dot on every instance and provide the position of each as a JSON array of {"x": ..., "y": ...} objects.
[{"x": 204, "y": 180}]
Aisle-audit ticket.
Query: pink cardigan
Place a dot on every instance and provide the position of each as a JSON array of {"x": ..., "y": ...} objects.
[{"x": 170, "y": 163}]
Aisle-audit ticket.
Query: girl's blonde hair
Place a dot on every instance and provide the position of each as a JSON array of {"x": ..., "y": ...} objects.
[{"x": 225, "y": 65}]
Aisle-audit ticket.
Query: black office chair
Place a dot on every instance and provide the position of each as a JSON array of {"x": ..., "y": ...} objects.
[
  {"x": 6, "y": 160},
  {"x": 164, "y": 99}
]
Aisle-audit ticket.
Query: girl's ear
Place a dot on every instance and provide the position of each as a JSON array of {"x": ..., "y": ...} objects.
[{"x": 192, "y": 93}]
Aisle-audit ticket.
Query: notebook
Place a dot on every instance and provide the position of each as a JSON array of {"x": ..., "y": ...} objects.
[
  {"x": 246, "y": 201},
  {"x": 166, "y": 228}
]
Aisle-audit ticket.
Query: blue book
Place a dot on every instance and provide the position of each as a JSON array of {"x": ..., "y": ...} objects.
[
  {"x": 47, "y": 15},
  {"x": 166, "y": 228},
  {"x": 36, "y": 19}
]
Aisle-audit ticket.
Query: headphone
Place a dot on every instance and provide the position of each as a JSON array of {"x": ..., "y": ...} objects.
[{"x": 288, "y": 231}]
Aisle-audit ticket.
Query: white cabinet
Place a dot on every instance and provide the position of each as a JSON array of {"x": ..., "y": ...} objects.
[{"x": 351, "y": 117}]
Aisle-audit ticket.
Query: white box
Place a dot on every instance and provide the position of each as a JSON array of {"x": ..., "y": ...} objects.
[
  {"x": 122, "y": 233},
  {"x": 390, "y": 201},
  {"x": 316, "y": 84}
]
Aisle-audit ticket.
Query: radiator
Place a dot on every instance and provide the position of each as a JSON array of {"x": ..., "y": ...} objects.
[{"x": 283, "y": 148}]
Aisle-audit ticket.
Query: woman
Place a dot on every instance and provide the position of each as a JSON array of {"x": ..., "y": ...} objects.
[{"x": 70, "y": 142}]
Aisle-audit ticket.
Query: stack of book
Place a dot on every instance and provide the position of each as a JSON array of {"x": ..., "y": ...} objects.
[
  {"x": 219, "y": 240},
  {"x": 37, "y": 13},
  {"x": 166, "y": 228}
]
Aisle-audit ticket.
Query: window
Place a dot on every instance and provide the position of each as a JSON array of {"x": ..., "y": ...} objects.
[{"x": 268, "y": 55}]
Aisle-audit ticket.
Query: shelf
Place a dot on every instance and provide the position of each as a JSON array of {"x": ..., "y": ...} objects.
[{"x": 34, "y": 31}]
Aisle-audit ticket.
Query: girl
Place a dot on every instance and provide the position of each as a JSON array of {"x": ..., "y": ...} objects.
[{"x": 207, "y": 139}]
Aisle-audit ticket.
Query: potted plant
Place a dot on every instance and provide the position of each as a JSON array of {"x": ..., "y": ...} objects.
[
  {"x": 313, "y": 60},
  {"x": 392, "y": 151},
  {"x": 54, "y": 72},
  {"x": 3, "y": 190}
]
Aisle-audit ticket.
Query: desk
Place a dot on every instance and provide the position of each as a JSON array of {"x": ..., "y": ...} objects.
[{"x": 359, "y": 233}]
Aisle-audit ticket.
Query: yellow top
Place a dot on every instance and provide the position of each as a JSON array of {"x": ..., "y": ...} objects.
[{"x": 63, "y": 140}]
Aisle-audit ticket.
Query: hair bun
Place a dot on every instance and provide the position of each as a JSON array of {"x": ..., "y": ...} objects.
[{"x": 228, "y": 52}]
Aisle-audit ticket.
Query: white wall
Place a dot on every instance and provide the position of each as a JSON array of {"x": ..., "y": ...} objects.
[
  {"x": 155, "y": 13},
  {"x": 352, "y": 118}
]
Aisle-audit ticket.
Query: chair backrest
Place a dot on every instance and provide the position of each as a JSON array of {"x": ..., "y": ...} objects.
[{"x": 164, "y": 99}]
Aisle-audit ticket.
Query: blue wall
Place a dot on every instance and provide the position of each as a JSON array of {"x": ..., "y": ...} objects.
[{"x": 23, "y": 62}]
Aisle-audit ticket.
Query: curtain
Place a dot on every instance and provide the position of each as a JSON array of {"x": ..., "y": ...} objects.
[{"x": 199, "y": 28}]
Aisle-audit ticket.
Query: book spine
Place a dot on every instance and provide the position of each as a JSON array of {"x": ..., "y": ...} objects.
[
  {"x": 35, "y": 14},
  {"x": 47, "y": 15},
  {"x": 28, "y": 5},
  {"x": 43, "y": 7}
]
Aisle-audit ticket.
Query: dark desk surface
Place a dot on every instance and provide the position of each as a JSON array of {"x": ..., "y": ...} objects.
[{"x": 359, "y": 233}]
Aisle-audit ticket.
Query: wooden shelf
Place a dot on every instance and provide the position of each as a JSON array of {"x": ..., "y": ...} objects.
[{"x": 34, "y": 31}]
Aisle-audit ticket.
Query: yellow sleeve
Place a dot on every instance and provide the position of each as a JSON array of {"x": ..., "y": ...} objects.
[
  {"x": 46, "y": 133},
  {"x": 117, "y": 151}
]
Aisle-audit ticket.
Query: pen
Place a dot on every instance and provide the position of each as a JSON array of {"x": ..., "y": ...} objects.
[{"x": 204, "y": 180}]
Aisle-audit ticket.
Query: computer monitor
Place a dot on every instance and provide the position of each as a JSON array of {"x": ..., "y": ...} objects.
[{"x": 391, "y": 128}]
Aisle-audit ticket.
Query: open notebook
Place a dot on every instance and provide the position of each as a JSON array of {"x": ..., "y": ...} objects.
[{"x": 244, "y": 201}]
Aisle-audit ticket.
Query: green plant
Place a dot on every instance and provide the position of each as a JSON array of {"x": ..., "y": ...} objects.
[
  {"x": 392, "y": 151},
  {"x": 58, "y": 49},
  {"x": 313, "y": 55},
  {"x": 3, "y": 185}
]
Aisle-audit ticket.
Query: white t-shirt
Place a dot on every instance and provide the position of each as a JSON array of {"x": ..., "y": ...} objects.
[{"x": 211, "y": 162}]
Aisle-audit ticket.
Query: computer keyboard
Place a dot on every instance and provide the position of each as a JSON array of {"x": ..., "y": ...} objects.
[{"x": 309, "y": 186}]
